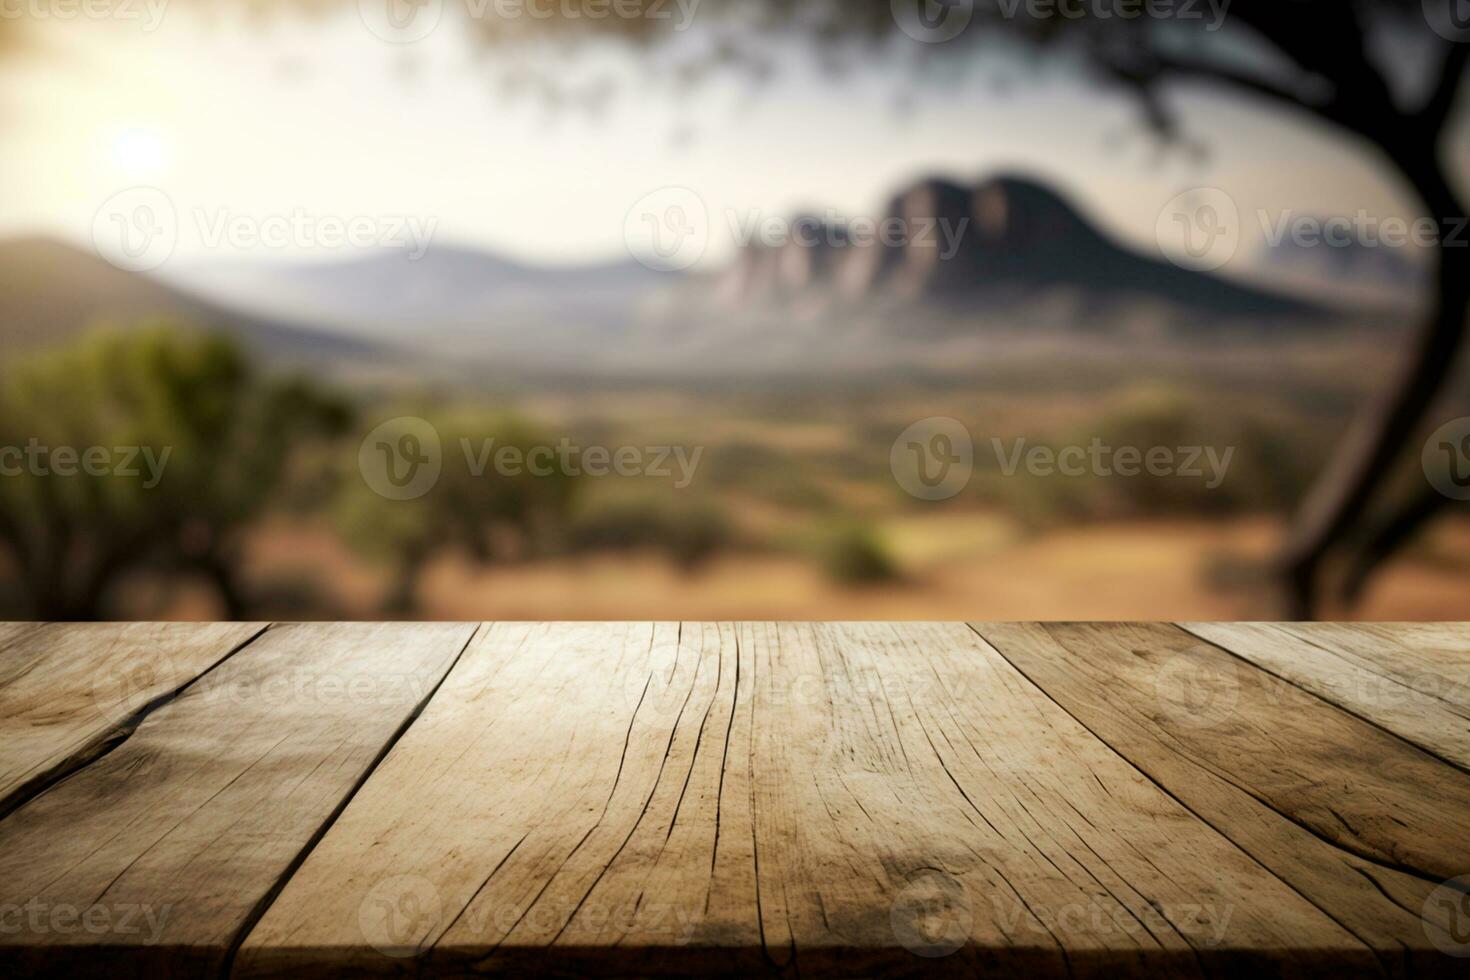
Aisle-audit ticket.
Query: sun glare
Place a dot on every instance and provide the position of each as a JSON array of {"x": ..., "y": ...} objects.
[{"x": 139, "y": 152}]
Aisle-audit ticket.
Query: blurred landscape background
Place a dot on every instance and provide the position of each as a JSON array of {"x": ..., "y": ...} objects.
[{"x": 270, "y": 265}]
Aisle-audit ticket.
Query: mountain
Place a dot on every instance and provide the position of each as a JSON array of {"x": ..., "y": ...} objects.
[
  {"x": 1002, "y": 242},
  {"x": 1006, "y": 251},
  {"x": 1358, "y": 270},
  {"x": 51, "y": 291},
  {"x": 445, "y": 290},
  {"x": 1003, "y": 261}
]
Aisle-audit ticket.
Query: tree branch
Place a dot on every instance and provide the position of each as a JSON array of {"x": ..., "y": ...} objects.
[
  {"x": 1203, "y": 71},
  {"x": 1442, "y": 101},
  {"x": 1389, "y": 538},
  {"x": 11, "y": 533},
  {"x": 1325, "y": 38}
]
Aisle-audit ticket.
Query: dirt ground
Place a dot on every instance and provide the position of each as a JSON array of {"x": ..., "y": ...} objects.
[{"x": 973, "y": 567}]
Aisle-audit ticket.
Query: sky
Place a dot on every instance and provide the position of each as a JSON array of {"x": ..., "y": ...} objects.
[{"x": 327, "y": 119}]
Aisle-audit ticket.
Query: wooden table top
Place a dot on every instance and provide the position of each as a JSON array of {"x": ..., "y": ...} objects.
[{"x": 795, "y": 798}]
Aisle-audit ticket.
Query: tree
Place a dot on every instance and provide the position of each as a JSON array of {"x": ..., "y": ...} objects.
[
  {"x": 1324, "y": 59},
  {"x": 478, "y": 507},
  {"x": 152, "y": 447},
  {"x": 1333, "y": 76}
]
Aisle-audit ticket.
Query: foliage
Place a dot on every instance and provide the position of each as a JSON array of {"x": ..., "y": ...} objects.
[
  {"x": 1263, "y": 475},
  {"x": 689, "y": 533},
  {"x": 1266, "y": 464},
  {"x": 484, "y": 513},
  {"x": 854, "y": 555},
  {"x": 147, "y": 446}
]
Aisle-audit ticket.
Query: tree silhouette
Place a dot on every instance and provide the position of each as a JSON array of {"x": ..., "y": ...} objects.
[{"x": 1326, "y": 59}]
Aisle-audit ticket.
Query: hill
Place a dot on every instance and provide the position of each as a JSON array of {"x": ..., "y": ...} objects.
[
  {"x": 51, "y": 291},
  {"x": 447, "y": 289}
]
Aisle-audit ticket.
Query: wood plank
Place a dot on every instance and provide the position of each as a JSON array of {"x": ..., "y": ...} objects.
[
  {"x": 834, "y": 799},
  {"x": 67, "y": 690},
  {"x": 1358, "y": 821},
  {"x": 1411, "y": 678},
  {"x": 10, "y": 632},
  {"x": 161, "y": 852}
]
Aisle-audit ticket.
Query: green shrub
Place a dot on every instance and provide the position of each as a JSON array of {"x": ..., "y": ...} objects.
[
  {"x": 479, "y": 512},
  {"x": 688, "y": 533},
  {"x": 854, "y": 555},
  {"x": 1269, "y": 467}
]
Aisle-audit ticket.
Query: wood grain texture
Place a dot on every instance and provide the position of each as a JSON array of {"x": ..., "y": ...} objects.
[
  {"x": 10, "y": 632},
  {"x": 1358, "y": 821},
  {"x": 794, "y": 798},
  {"x": 68, "y": 689},
  {"x": 1411, "y": 678},
  {"x": 159, "y": 854}
]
